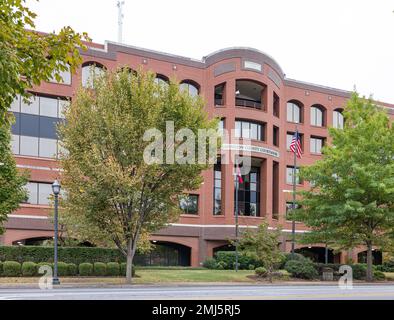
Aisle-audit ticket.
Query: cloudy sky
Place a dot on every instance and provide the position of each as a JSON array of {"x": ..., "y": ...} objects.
[{"x": 336, "y": 43}]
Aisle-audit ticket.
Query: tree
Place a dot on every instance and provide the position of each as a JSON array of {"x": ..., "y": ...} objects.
[
  {"x": 12, "y": 191},
  {"x": 28, "y": 57},
  {"x": 263, "y": 246},
  {"x": 351, "y": 198},
  {"x": 110, "y": 182}
]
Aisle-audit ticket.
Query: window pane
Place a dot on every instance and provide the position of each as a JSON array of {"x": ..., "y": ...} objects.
[
  {"x": 289, "y": 112},
  {"x": 15, "y": 144},
  {"x": 237, "y": 129},
  {"x": 296, "y": 111},
  {"x": 32, "y": 190},
  {"x": 29, "y": 125},
  {"x": 254, "y": 131},
  {"x": 15, "y": 105},
  {"x": 32, "y": 108},
  {"x": 48, "y": 148},
  {"x": 63, "y": 104},
  {"x": 16, "y": 126},
  {"x": 44, "y": 191},
  {"x": 48, "y": 107},
  {"x": 246, "y": 130},
  {"x": 29, "y": 146},
  {"x": 289, "y": 139},
  {"x": 48, "y": 127},
  {"x": 193, "y": 91}
]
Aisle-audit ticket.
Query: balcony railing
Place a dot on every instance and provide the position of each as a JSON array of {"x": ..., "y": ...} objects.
[{"x": 247, "y": 103}]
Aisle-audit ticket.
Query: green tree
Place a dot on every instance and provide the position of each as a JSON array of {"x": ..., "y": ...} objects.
[
  {"x": 27, "y": 57},
  {"x": 110, "y": 187},
  {"x": 352, "y": 195},
  {"x": 263, "y": 245},
  {"x": 12, "y": 192}
]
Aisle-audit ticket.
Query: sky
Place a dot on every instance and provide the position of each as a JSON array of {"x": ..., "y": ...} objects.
[{"x": 337, "y": 43}]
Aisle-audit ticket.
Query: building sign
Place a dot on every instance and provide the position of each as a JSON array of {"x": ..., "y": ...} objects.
[{"x": 250, "y": 148}]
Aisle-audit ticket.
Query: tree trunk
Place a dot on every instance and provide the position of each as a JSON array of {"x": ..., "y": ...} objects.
[
  {"x": 129, "y": 263},
  {"x": 369, "y": 261}
]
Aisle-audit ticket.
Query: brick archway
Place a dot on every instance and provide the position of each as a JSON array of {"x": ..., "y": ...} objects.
[{"x": 12, "y": 236}]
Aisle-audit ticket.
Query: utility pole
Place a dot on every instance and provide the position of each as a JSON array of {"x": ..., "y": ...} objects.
[{"x": 120, "y": 5}]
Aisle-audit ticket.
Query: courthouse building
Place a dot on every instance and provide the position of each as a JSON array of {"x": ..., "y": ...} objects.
[{"x": 249, "y": 91}]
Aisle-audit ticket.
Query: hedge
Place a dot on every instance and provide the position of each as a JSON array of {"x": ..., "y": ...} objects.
[
  {"x": 301, "y": 269},
  {"x": 29, "y": 269},
  {"x": 99, "y": 269},
  {"x": 113, "y": 269},
  {"x": 226, "y": 260},
  {"x": 123, "y": 267},
  {"x": 11, "y": 269},
  {"x": 86, "y": 269},
  {"x": 74, "y": 255}
]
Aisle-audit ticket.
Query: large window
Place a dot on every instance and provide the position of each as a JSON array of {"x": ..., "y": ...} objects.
[
  {"x": 189, "y": 204},
  {"x": 221, "y": 126},
  {"x": 161, "y": 80},
  {"x": 220, "y": 91},
  {"x": 316, "y": 144},
  {"x": 317, "y": 116},
  {"x": 89, "y": 72},
  {"x": 38, "y": 193},
  {"x": 289, "y": 175},
  {"x": 249, "y": 130},
  {"x": 34, "y": 131},
  {"x": 249, "y": 94},
  {"x": 217, "y": 190},
  {"x": 65, "y": 75},
  {"x": 294, "y": 112},
  {"x": 190, "y": 88},
  {"x": 337, "y": 119},
  {"x": 275, "y": 136},
  {"x": 249, "y": 194},
  {"x": 276, "y": 105}
]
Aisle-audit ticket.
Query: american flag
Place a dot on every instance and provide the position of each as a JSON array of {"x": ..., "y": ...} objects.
[{"x": 295, "y": 145}]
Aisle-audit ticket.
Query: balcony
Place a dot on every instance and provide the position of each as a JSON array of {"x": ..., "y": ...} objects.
[{"x": 239, "y": 102}]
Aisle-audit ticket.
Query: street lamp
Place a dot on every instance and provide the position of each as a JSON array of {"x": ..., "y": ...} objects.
[{"x": 56, "y": 190}]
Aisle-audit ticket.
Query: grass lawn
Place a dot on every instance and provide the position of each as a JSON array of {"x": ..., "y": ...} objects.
[
  {"x": 389, "y": 275},
  {"x": 151, "y": 276}
]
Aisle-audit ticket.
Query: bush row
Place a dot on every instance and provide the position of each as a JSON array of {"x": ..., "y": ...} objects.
[
  {"x": 86, "y": 269},
  {"x": 76, "y": 255}
]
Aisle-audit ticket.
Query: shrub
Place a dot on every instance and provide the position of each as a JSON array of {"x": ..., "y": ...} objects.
[
  {"x": 1, "y": 268},
  {"x": 252, "y": 267},
  {"x": 210, "y": 263},
  {"x": 379, "y": 275},
  {"x": 123, "y": 266},
  {"x": 72, "y": 269},
  {"x": 301, "y": 269},
  {"x": 359, "y": 271},
  {"x": 288, "y": 256},
  {"x": 261, "y": 271},
  {"x": 62, "y": 269},
  {"x": 100, "y": 269},
  {"x": 387, "y": 266},
  {"x": 43, "y": 264},
  {"x": 221, "y": 265},
  {"x": 228, "y": 259},
  {"x": 29, "y": 269},
  {"x": 11, "y": 269},
  {"x": 113, "y": 269},
  {"x": 85, "y": 269},
  {"x": 320, "y": 266}
]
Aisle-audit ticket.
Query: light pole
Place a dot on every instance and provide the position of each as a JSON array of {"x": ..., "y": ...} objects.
[{"x": 56, "y": 191}]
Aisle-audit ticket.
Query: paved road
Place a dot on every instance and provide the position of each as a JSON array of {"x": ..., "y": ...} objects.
[{"x": 299, "y": 292}]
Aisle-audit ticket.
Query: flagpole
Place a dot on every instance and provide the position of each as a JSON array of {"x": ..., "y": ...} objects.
[
  {"x": 236, "y": 219},
  {"x": 294, "y": 198}
]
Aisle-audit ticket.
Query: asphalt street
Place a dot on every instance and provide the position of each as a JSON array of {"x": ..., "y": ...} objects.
[{"x": 198, "y": 292}]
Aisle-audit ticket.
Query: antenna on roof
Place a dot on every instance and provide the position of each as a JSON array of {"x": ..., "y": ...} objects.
[{"x": 120, "y": 5}]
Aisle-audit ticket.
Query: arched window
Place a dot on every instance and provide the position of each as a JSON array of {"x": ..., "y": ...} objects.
[
  {"x": 317, "y": 116},
  {"x": 190, "y": 87},
  {"x": 161, "y": 80},
  {"x": 91, "y": 70},
  {"x": 294, "y": 112},
  {"x": 337, "y": 120},
  {"x": 65, "y": 76}
]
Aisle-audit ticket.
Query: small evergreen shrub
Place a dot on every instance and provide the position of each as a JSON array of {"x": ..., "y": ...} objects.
[
  {"x": 378, "y": 275},
  {"x": 359, "y": 271},
  {"x": 261, "y": 271},
  {"x": 62, "y": 269},
  {"x": 301, "y": 269},
  {"x": 99, "y": 269},
  {"x": 288, "y": 256},
  {"x": 1, "y": 268},
  {"x": 210, "y": 263},
  {"x": 228, "y": 259},
  {"x": 113, "y": 269},
  {"x": 11, "y": 269},
  {"x": 85, "y": 269},
  {"x": 72, "y": 269},
  {"x": 252, "y": 267},
  {"x": 29, "y": 269}
]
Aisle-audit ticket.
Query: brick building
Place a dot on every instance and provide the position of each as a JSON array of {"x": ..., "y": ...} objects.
[{"x": 243, "y": 86}]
